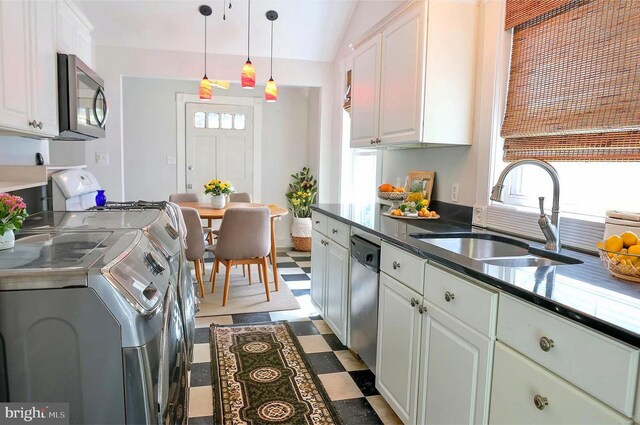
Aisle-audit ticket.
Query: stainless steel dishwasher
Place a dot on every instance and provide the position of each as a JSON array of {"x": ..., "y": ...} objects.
[{"x": 365, "y": 273}]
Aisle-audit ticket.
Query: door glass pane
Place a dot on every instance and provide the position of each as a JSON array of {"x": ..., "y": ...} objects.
[
  {"x": 238, "y": 121},
  {"x": 198, "y": 120},
  {"x": 226, "y": 121},
  {"x": 213, "y": 120}
]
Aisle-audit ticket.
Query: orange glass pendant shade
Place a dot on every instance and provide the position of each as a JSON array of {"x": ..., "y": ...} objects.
[
  {"x": 248, "y": 78},
  {"x": 204, "y": 91},
  {"x": 271, "y": 91}
]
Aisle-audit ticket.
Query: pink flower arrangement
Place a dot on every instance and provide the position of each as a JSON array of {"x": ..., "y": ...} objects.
[{"x": 13, "y": 211}]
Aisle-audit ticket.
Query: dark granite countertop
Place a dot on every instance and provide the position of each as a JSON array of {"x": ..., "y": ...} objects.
[{"x": 585, "y": 293}]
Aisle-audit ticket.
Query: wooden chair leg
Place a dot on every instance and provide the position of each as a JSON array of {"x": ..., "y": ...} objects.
[
  {"x": 266, "y": 281},
  {"x": 199, "y": 276},
  {"x": 249, "y": 273},
  {"x": 227, "y": 276},
  {"x": 260, "y": 272},
  {"x": 214, "y": 273},
  {"x": 244, "y": 271}
]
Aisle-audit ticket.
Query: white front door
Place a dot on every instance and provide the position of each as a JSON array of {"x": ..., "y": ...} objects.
[{"x": 219, "y": 145}]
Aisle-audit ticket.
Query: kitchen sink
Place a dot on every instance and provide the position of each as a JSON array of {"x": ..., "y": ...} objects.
[{"x": 496, "y": 250}]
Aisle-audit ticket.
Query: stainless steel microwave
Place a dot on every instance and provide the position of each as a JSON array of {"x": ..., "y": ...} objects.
[{"x": 82, "y": 105}]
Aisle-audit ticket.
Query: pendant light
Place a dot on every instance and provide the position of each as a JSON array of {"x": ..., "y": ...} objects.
[
  {"x": 248, "y": 78},
  {"x": 271, "y": 90},
  {"x": 204, "y": 92}
]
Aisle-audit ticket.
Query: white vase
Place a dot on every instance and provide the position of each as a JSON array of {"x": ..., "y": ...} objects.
[
  {"x": 7, "y": 240},
  {"x": 301, "y": 227},
  {"x": 218, "y": 201}
]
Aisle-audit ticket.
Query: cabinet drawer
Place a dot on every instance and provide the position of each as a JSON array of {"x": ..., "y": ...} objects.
[
  {"x": 517, "y": 382},
  {"x": 402, "y": 266},
  {"x": 470, "y": 303},
  {"x": 601, "y": 366},
  {"x": 319, "y": 222},
  {"x": 338, "y": 231}
]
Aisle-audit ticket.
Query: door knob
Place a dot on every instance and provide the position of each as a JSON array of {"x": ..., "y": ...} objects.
[
  {"x": 546, "y": 344},
  {"x": 540, "y": 402},
  {"x": 40, "y": 125},
  {"x": 396, "y": 265},
  {"x": 33, "y": 123},
  {"x": 448, "y": 296},
  {"x": 413, "y": 302}
]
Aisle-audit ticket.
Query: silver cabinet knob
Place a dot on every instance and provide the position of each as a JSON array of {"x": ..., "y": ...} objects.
[
  {"x": 334, "y": 231},
  {"x": 40, "y": 125},
  {"x": 371, "y": 142},
  {"x": 317, "y": 221},
  {"x": 378, "y": 140},
  {"x": 540, "y": 402},
  {"x": 449, "y": 296},
  {"x": 396, "y": 265},
  {"x": 546, "y": 344},
  {"x": 421, "y": 309},
  {"x": 414, "y": 302},
  {"x": 33, "y": 123}
]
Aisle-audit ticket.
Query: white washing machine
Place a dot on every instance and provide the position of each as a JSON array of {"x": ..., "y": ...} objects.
[{"x": 91, "y": 318}]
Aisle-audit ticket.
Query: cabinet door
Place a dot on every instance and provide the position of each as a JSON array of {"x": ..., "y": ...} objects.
[
  {"x": 14, "y": 66},
  {"x": 455, "y": 375},
  {"x": 365, "y": 93},
  {"x": 337, "y": 283},
  {"x": 44, "y": 84},
  {"x": 399, "y": 327},
  {"x": 83, "y": 45},
  {"x": 401, "y": 79},
  {"x": 318, "y": 267},
  {"x": 525, "y": 393}
]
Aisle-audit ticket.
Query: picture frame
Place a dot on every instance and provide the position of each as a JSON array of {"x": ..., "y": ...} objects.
[{"x": 423, "y": 178}]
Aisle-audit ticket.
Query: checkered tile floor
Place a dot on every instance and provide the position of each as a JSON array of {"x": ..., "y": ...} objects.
[{"x": 349, "y": 384}]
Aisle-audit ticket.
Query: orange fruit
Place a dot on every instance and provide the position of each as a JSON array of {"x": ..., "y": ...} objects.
[
  {"x": 613, "y": 243},
  {"x": 433, "y": 214},
  {"x": 385, "y": 187},
  {"x": 629, "y": 238}
]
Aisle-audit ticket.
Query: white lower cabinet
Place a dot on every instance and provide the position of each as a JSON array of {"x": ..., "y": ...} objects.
[
  {"x": 337, "y": 288},
  {"x": 398, "y": 354},
  {"x": 526, "y": 393},
  {"x": 455, "y": 371},
  {"x": 318, "y": 267}
]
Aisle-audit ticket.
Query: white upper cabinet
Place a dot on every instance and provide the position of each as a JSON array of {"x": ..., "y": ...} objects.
[
  {"x": 365, "y": 98},
  {"x": 28, "y": 84},
  {"x": 413, "y": 76},
  {"x": 74, "y": 33}
]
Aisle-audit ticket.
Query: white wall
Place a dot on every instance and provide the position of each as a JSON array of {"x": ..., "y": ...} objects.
[
  {"x": 149, "y": 135},
  {"x": 112, "y": 63},
  {"x": 22, "y": 151}
]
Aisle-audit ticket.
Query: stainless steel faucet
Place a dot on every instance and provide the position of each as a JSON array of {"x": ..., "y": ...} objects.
[{"x": 550, "y": 229}]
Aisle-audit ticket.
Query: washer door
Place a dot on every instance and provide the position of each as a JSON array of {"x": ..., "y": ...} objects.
[{"x": 172, "y": 388}]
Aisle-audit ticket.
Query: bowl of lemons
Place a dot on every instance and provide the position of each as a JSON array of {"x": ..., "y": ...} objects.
[{"x": 620, "y": 254}]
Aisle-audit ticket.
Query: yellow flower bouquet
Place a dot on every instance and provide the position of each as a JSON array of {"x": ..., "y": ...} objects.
[{"x": 217, "y": 187}]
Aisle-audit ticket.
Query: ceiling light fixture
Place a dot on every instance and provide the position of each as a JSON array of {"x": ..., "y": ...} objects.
[
  {"x": 248, "y": 77},
  {"x": 271, "y": 90},
  {"x": 204, "y": 91}
]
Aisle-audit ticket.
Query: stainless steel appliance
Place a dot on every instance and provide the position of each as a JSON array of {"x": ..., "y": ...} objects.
[
  {"x": 365, "y": 274},
  {"x": 91, "y": 318},
  {"x": 158, "y": 221},
  {"x": 82, "y": 105}
]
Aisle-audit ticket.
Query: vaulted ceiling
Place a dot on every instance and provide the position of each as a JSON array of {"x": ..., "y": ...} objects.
[{"x": 305, "y": 29}]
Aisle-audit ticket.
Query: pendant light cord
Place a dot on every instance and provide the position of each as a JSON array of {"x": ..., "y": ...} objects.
[
  {"x": 248, "y": 30},
  {"x": 205, "y": 46},
  {"x": 271, "y": 71}
]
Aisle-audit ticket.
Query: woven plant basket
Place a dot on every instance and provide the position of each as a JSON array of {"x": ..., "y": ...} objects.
[{"x": 302, "y": 244}]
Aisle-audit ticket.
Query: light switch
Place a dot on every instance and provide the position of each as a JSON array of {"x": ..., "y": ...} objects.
[
  {"x": 171, "y": 160},
  {"x": 102, "y": 158}
]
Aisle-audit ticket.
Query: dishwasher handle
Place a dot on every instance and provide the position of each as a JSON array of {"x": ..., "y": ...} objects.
[{"x": 365, "y": 253}]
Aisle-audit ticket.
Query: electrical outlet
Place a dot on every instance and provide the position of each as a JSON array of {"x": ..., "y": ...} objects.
[
  {"x": 171, "y": 160},
  {"x": 479, "y": 216},
  {"x": 102, "y": 158},
  {"x": 454, "y": 192}
]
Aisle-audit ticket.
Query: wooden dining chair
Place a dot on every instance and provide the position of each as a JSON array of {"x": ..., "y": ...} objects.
[
  {"x": 195, "y": 243},
  {"x": 244, "y": 238},
  {"x": 193, "y": 197}
]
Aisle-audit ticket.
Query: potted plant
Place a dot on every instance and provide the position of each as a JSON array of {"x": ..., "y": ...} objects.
[
  {"x": 218, "y": 191},
  {"x": 13, "y": 211},
  {"x": 302, "y": 193}
]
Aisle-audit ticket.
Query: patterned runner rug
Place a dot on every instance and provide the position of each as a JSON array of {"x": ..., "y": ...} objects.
[{"x": 260, "y": 375}]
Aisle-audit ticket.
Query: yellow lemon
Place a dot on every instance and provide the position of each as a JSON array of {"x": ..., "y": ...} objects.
[
  {"x": 634, "y": 249},
  {"x": 629, "y": 238},
  {"x": 613, "y": 243},
  {"x": 600, "y": 245}
]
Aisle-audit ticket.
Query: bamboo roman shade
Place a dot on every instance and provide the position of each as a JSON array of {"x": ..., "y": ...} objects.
[
  {"x": 520, "y": 11},
  {"x": 574, "y": 86}
]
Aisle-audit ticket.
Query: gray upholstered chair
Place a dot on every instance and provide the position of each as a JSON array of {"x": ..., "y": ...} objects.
[
  {"x": 240, "y": 197},
  {"x": 195, "y": 243},
  {"x": 244, "y": 238},
  {"x": 192, "y": 197}
]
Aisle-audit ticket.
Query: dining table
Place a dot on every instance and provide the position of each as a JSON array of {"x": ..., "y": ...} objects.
[{"x": 207, "y": 212}]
